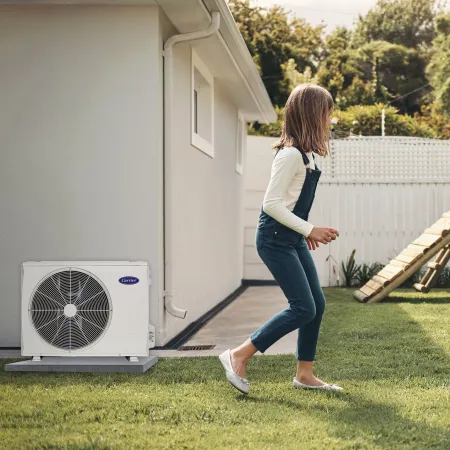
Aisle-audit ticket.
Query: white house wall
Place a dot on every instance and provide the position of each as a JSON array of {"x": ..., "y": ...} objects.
[
  {"x": 208, "y": 206},
  {"x": 81, "y": 143}
]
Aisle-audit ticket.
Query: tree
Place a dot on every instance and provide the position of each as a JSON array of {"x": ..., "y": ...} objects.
[
  {"x": 439, "y": 67},
  {"x": 360, "y": 92},
  {"x": 273, "y": 38},
  {"x": 382, "y": 62},
  {"x": 338, "y": 69},
  {"x": 396, "y": 73},
  {"x": 293, "y": 77},
  {"x": 408, "y": 26},
  {"x": 376, "y": 72},
  {"x": 403, "y": 22},
  {"x": 433, "y": 118}
]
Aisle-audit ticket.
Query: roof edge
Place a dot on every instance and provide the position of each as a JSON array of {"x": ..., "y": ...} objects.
[{"x": 249, "y": 70}]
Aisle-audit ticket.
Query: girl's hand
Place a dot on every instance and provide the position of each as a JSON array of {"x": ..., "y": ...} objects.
[
  {"x": 312, "y": 244},
  {"x": 323, "y": 235}
]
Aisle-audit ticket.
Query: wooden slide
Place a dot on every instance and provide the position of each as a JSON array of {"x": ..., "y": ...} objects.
[{"x": 434, "y": 241}]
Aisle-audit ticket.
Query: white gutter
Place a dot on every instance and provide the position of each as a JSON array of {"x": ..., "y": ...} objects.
[
  {"x": 252, "y": 79},
  {"x": 168, "y": 156}
]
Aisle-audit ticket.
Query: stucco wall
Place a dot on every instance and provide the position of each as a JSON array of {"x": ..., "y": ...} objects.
[
  {"x": 80, "y": 142},
  {"x": 208, "y": 207}
]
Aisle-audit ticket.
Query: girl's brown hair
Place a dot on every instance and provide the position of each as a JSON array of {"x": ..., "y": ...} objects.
[{"x": 307, "y": 120}]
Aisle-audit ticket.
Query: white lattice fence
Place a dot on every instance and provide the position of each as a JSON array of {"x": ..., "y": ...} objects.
[
  {"x": 380, "y": 193},
  {"x": 387, "y": 158}
]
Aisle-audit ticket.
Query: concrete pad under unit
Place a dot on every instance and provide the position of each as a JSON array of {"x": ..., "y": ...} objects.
[{"x": 84, "y": 364}]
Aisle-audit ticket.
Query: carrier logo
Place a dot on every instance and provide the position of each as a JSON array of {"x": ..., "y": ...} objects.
[{"x": 129, "y": 280}]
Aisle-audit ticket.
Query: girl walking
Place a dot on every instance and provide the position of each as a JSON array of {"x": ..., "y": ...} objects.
[{"x": 284, "y": 238}]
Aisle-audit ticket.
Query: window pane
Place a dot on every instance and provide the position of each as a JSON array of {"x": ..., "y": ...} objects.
[
  {"x": 195, "y": 111},
  {"x": 202, "y": 93}
]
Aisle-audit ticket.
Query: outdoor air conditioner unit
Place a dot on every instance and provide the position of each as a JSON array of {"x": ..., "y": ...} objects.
[{"x": 86, "y": 309}]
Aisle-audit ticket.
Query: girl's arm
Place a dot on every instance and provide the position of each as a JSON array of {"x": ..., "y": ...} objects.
[{"x": 284, "y": 167}]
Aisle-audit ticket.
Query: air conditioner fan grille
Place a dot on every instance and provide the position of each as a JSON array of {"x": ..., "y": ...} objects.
[{"x": 70, "y": 309}]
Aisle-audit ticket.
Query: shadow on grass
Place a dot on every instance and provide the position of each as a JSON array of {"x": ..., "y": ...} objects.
[
  {"x": 435, "y": 296},
  {"x": 415, "y": 300},
  {"x": 377, "y": 343},
  {"x": 382, "y": 422}
]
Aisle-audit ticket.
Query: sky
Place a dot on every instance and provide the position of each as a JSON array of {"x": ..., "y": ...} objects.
[{"x": 332, "y": 13}]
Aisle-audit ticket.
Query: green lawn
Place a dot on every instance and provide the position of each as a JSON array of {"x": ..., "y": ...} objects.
[{"x": 392, "y": 358}]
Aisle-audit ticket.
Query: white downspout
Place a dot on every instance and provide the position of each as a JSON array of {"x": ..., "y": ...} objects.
[{"x": 168, "y": 156}]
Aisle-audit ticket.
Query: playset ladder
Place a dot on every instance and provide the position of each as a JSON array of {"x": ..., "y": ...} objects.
[
  {"x": 434, "y": 269},
  {"x": 434, "y": 241}
]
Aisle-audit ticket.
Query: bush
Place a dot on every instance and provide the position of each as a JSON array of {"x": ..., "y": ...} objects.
[
  {"x": 415, "y": 278},
  {"x": 366, "y": 121},
  {"x": 359, "y": 275},
  {"x": 431, "y": 116},
  {"x": 350, "y": 270},
  {"x": 366, "y": 272},
  {"x": 443, "y": 280}
]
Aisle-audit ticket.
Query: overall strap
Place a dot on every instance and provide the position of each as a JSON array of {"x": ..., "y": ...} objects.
[
  {"x": 306, "y": 159},
  {"x": 315, "y": 161}
]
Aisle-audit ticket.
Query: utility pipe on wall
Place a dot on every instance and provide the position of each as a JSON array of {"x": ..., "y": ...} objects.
[{"x": 168, "y": 156}]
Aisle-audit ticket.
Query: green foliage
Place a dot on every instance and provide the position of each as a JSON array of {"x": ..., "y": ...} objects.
[
  {"x": 293, "y": 77},
  {"x": 385, "y": 60},
  {"x": 376, "y": 72},
  {"x": 350, "y": 269},
  {"x": 434, "y": 119},
  {"x": 338, "y": 67},
  {"x": 389, "y": 68},
  {"x": 367, "y": 271},
  {"x": 361, "y": 274},
  {"x": 273, "y": 37},
  {"x": 413, "y": 279},
  {"x": 443, "y": 280},
  {"x": 439, "y": 67},
  {"x": 403, "y": 22},
  {"x": 358, "y": 93},
  {"x": 366, "y": 121}
]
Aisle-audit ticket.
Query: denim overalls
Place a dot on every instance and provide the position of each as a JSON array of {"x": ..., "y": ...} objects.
[{"x": 286, "y": 255}]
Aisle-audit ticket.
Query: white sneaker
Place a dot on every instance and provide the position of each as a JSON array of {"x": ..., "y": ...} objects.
[
  {"x": 241, "y": 384},
  {"x": 325, "y": 387}
]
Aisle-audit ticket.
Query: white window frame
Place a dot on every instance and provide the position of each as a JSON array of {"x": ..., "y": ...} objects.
[
  {"x": 241, "y": 143},
  {"x": 196, "y": 140}
]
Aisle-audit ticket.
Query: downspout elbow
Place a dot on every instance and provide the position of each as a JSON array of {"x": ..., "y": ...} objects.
[
  {"x": 172, "y": 309},
  {"x": 195, "y": 35}
]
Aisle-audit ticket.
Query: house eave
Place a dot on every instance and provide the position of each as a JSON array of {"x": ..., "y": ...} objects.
[
  {"x": 238, "y": 48},
  {"x": 192, "y": 15},
  {"x": 199, "y": 16}
]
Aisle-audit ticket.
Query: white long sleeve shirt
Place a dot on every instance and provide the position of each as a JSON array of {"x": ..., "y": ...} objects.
[{"x": 286, "y": 182}]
